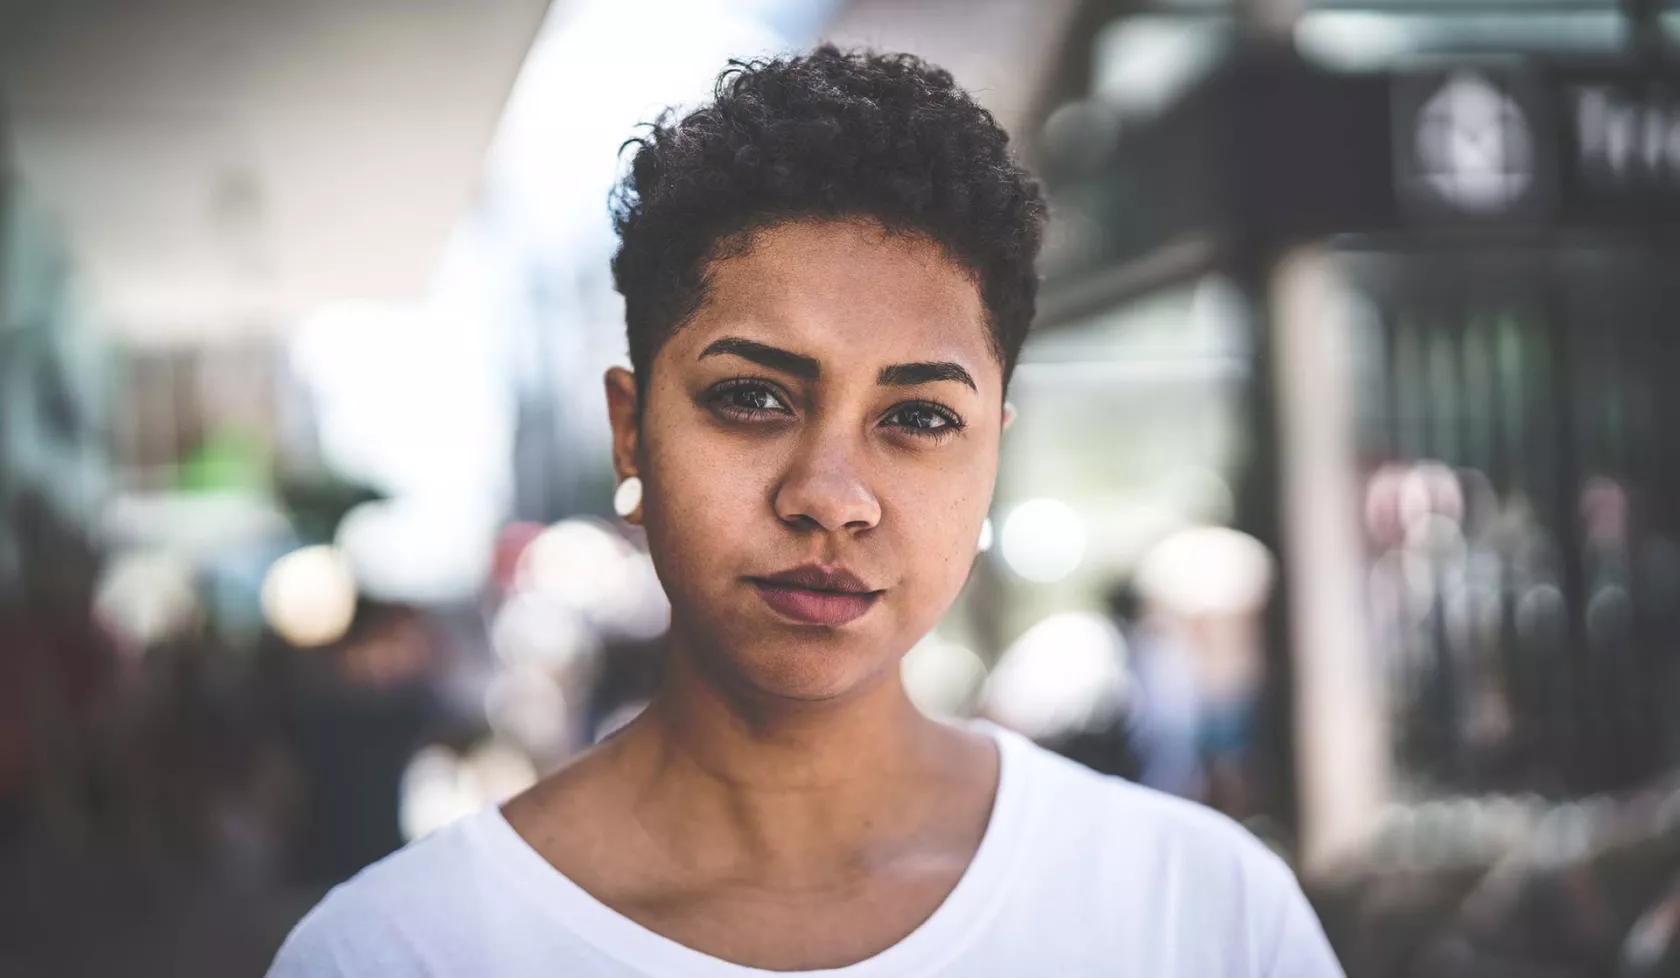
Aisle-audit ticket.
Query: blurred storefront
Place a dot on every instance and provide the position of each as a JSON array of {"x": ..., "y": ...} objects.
[{"x": 1445, "y": 239}]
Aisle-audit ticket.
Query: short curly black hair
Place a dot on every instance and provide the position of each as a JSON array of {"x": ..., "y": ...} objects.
[{"x": 825, "y": 135}]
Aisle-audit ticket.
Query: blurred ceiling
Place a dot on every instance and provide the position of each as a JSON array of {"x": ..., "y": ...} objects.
[
  {"x": 220, "y": 167},
  {"x": 1004, "y": 51}
]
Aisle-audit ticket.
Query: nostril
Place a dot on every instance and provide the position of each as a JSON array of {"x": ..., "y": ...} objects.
[{"x": 800, "y": 521}]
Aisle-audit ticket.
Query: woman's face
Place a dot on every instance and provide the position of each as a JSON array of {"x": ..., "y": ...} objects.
[{"x": 818, "y": 447}]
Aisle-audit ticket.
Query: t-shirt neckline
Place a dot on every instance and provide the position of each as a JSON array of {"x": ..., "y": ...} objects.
[{"x": 953, "y": 926}]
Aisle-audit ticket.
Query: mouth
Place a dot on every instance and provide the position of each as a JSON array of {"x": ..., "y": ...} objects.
[{"x": 813, "y": 595}]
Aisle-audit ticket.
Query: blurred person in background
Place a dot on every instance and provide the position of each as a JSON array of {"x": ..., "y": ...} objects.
[
  {"x": 828, "y": 274},
  {"x": 1065, "y": 683},
  {"x": 1163, "y": 716},
  {"x": 1201, "y": 594}
]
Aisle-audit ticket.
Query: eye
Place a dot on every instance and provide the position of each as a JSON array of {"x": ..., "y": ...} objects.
[
  {"x": 745, "y": 399},
  {"x": 924, "y": 420}
]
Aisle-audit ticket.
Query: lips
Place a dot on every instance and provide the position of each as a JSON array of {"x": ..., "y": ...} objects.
[{"x": 815, "y": 595}]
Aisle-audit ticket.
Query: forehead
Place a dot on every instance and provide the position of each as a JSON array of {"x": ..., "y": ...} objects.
[{"x": 847, "y": 293}]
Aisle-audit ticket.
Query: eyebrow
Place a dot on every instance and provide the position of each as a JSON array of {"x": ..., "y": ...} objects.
[
  {"x": 911, "y": 374},
  {"x": 808, "y": 368},
  {"x": 765, "y": 356}
]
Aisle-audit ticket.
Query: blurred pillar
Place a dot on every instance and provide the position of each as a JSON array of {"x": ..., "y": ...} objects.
[{"x": 1340, "y": 724}]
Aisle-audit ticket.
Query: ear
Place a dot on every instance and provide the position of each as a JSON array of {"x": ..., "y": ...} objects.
[
  {"x": 624, "y": 415},
  {"x": 1009, "y": 413}
]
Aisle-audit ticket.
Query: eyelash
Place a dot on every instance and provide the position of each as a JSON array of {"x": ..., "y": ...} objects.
[
  {"x": 952, "y": 425},
  {"x": 718, "y": 395}
]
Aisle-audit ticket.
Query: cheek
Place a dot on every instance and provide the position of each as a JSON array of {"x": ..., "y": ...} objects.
[
  {"x": 940, "y": 527},
  {"x": 700, "y": 494}
]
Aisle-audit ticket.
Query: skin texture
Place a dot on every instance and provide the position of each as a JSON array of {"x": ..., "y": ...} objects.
[{"x": 781, "y": 804}]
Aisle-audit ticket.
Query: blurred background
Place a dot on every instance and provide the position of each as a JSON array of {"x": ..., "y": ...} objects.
[{"x": 1345, "y": 495}]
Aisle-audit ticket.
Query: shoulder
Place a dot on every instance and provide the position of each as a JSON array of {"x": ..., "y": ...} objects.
[
  {"x": 373, "y": 922},
  {"x": 1133, "y": 817},
  {"x": 1183, "y": 868}
]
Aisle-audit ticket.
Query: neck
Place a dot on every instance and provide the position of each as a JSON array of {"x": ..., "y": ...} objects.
[
  {"x": 763, "y": 782},
  {"x": 751, "y": 739}
]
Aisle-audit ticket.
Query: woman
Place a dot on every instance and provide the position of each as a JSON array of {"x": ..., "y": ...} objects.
[{"x": 828, "y": 273}]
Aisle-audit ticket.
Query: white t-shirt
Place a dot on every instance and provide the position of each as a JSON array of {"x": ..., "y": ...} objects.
[{"x": 1078, "y": 875}]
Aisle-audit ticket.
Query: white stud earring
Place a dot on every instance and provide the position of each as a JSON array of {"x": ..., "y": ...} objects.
[
  {"x": 985, "y": 536},
  {"x": 628, "y": 497}
]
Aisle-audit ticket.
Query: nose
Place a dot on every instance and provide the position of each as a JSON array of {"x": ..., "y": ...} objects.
[{"x": 825, "y": 487}]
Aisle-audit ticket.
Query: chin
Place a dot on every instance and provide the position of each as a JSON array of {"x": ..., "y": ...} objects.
[{"x": 810, "y": 671}]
